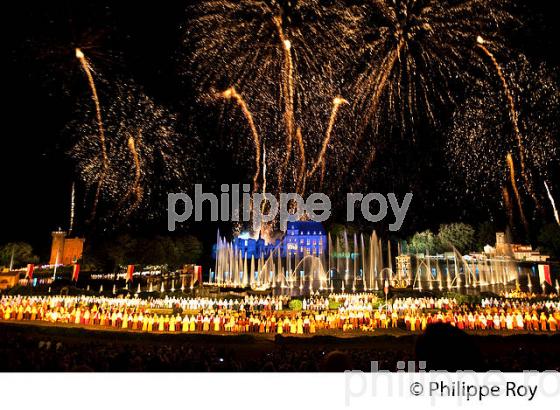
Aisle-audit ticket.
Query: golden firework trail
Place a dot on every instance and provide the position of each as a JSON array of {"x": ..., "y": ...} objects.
[
  {"x": 288, "y": 95},
  {"x": 323, "y": 172},
  {"x": 264, "y": 179},
  {"x": 383, "y": 75},
  {"x": 231, "y": 93},
  {"x": 508, "y": 205},
  {"x": 369, "y": 161},
  {"x": 511, "y": 167},
  {"x": 514, "y": 117},
  {"x": 302, "y": 178},
  {"x": 87, "y": 70},
  {"x": 551, "y": 199},
  {"x": 136, "y": 158},
  {"x": 337, "y": 101},
  {"x": 379, "y": 84},
  {"x": 269, "y": 71},
  {"x": 135, "y": 187},
  {"x": 265, "y": 228},
  {"x": 137, "y": 171}
]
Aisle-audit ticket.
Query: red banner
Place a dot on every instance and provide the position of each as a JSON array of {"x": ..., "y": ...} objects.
[
  {"x": 29, "y": 272},
  {"x": 75, "y": 272},
  {"x": 544, "y": 274},
  {"x": 197, "y": 277},
  {"x": 129, "y": 272}
]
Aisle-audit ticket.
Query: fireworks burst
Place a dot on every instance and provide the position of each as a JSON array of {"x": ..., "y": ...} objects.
[
  {"x": 291, "y": 67},
  {"x": 415, "y": 53},
  {"x": 415, "y": 58},
  {"x": 143, "y": 149},
  {"x": 58, "y": 51},
  {"x": 483, "y": 135},
  {"x": 286, "y": 59},
  {"x": 253, "y": 44}
]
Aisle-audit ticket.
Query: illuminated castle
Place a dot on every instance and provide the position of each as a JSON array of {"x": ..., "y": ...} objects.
[
  {"x": 65, "y": 251},
  {"x": 516, "y": 251},
  {"x": 305, "y": 238},
  {"x": 302, "y": 238}
]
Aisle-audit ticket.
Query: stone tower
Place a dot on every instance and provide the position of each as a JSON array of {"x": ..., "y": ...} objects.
[
  {"x": 65, "y": 251},
  {"x": 57, "y": 247}
]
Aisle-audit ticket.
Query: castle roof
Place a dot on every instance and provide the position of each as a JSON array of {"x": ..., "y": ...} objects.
[{"x": 303, "y": 227}]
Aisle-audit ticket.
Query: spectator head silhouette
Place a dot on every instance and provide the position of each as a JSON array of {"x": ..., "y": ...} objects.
[
  {"x": 336, "y": 361},
  {"x": 444, "y": 347}
]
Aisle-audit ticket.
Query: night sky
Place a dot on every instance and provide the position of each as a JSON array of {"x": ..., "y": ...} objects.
[{"x": 42, "y": 85}]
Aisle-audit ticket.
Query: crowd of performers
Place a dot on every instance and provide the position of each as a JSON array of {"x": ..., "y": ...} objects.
[{"x": 336, "y": 313}]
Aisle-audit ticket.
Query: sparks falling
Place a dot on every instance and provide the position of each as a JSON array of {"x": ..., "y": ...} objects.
[
  {"x": 514, "y": 116},
  {"x": 135, "y": 187},
  {"x": 283, "y": 58},
  {"x": 481, "y": 133},
  {"x": 145, "y": 151},
  {"x": 513, "y": 181},
  {"x": 415, "y": 55},
  {"x": 302, "y": 177},
  {"x": 413, "y": 50},
  {"x": 404, "y": 65},
  {"x": 288, "y": 93},
  {"x": 508, "y": 205}
]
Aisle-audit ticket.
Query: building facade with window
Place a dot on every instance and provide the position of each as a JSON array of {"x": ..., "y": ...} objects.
[{"x": 302, "y": 238}]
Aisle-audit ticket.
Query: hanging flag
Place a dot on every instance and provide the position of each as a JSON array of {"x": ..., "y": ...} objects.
[
  {"x": 129, "y": 272},
  {"x": 75, "y": 272},
  {"x": 29, "y": 272},
  {"x": 544, "y": 274},
  {"x": 197, "y": 274},
  {"x": 386, "y": 287}
]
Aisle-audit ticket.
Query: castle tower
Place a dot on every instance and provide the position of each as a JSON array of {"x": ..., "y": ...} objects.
[
  {"x": 57, "y": 247},
  {"x": 65, "y": 251},
  {"x": 500, "y": 238},
  {"x": 502, "y": 247}
]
